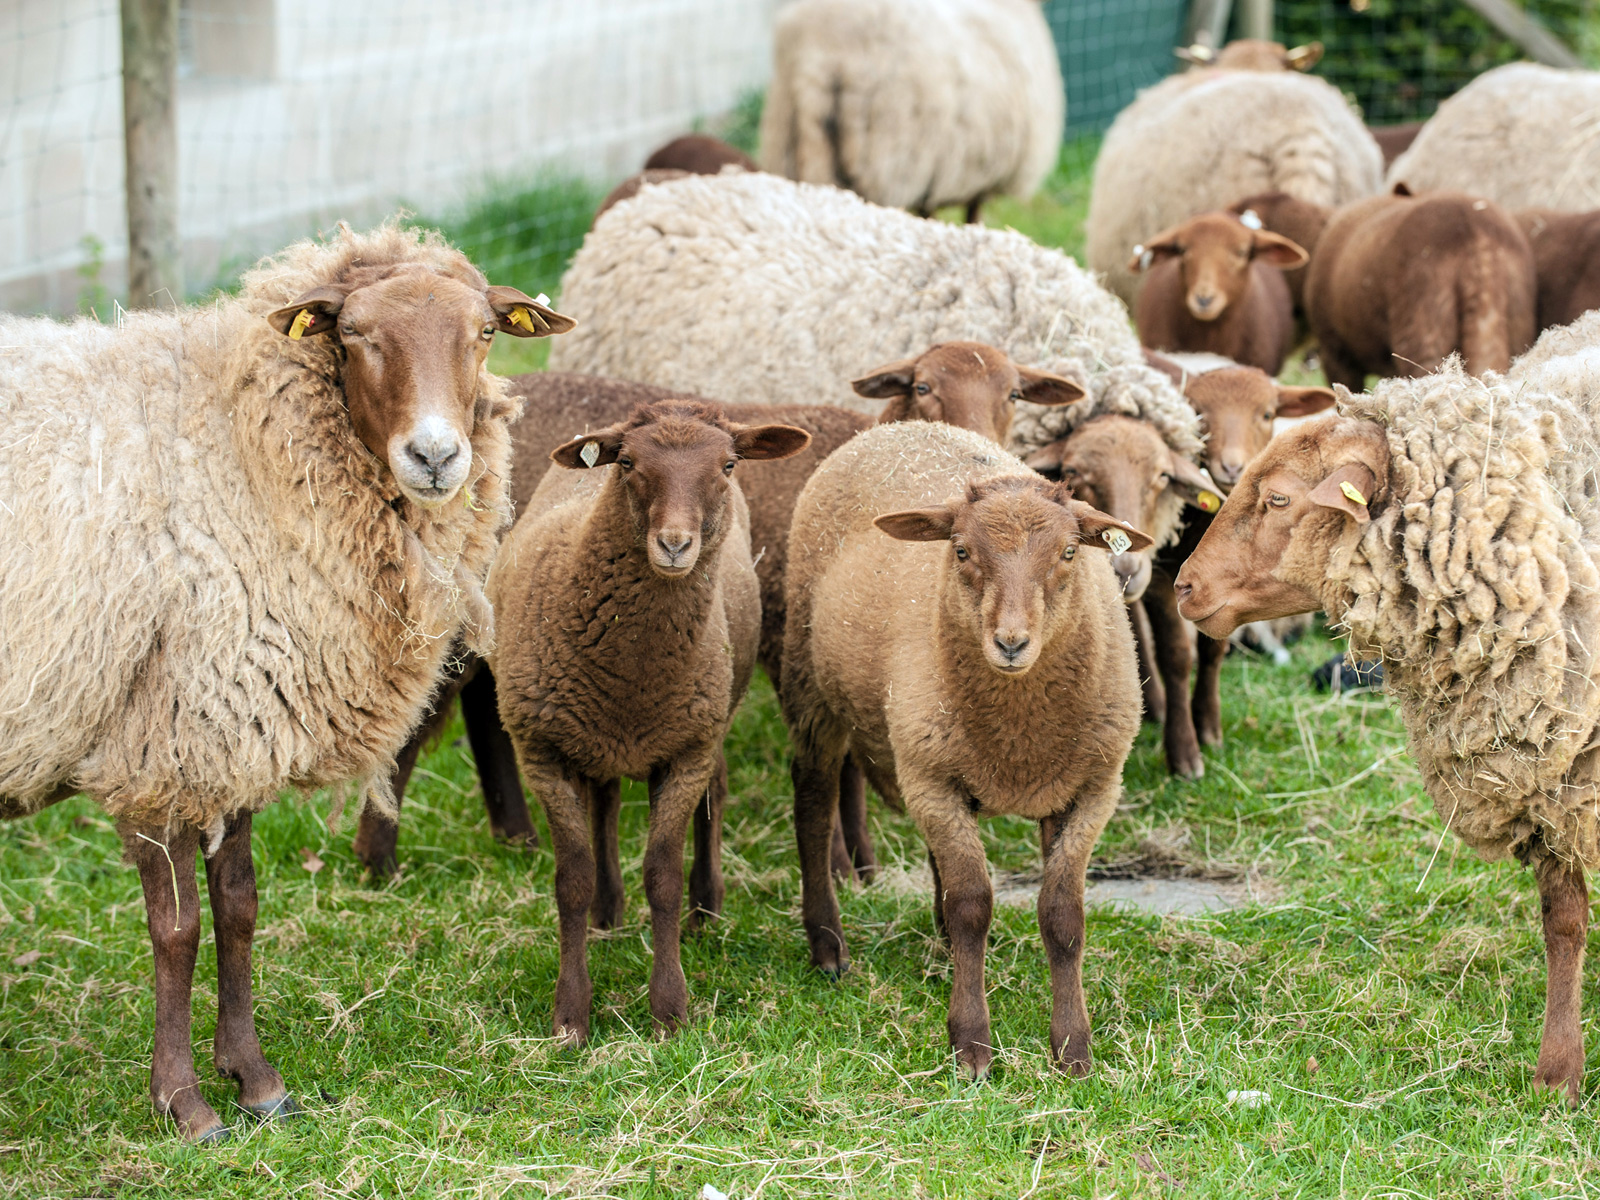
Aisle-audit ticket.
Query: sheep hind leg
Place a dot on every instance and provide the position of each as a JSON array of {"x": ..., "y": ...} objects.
[
  {"x": 967, "y": 902},
  {"x": 1564, "y": 905},
  {"x": 1205, "y": 708},
  {"x": 675, "y": 791},
  {"x": 496, "y": 760},
  {"x": 236, "y": 1050},
  {"x": 1175, "y": 661},
  {"x": 172, "y": 909},
  {"x": 1154, "y": 694},
  {"x": 605, "y": 807},
  {"x": 706, "y": 890},
  {"x": 816, "y": 801},
  {"x": 853, "y": 854}
]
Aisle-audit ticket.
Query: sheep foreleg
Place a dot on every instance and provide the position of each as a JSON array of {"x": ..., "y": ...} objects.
[
  {"x": 496, "y": 759},
  {"x": 1205, "y": 708},
  {"x": 1564, "y": 903},
  {"x": 605, "y": 806},
  {"x": 1174, "y": 660},
  {"x": 816, "y": 803},
  {"x": 850, "y": 832},
  {"x": 1068, "y": 841},
  {"x": 705, "y": 875},
  {"x": 967, "y": 904},
  {"x": 675, "y": 790},
  {"x": 569, "y": 838}
]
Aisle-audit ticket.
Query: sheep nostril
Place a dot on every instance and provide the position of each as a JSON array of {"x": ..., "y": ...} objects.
[
  {"x": 1183, "y": 591},
  {"x": 433, "y": 455},
  {"x": 1011, "y": 647},
  {"x": 673, "y": 544}
]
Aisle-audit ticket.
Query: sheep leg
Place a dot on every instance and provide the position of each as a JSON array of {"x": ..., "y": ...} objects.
[
  {"x": 236, "y": 1050},
  {"x": 1061, "y": 925},
  {"x": 172, "y": 909},
  {"x": 966, "y": 900},
  {"x": 863, "y": 859},
  {"x": 567, "y": 815},
  {"x": 1206, "y": 706},
  {"x": 939, "y": 926},
  {"x": 496, "y": 759},
  {"x": 816, "y": 802},
  {"x": 1155, "y": 696},
  {"x": 706, "y": 890},
  {"x": 975, "y": 211},
  {"x": 1340, "y": 366},
  {"x": 1175, "y": 660},
  {"x": 605, "y": 806},
  {"x": 675, "y": 791},
  {"x": 1564, "y": 904}
]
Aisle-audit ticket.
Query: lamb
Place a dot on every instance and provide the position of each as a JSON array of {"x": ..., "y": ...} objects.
[
  {"x": 990, "y": 671},
  {"x": 1399, "y": 282},
  {"x": 1566, "y": 262},
  {"x": 629, "y": 618},
  {"x": 752, "y": 287},
  {"x": 1517, "y": 135},
  {"x": 238, "y": 543},
  {"x": 1214, "y": 284},
  {"x": 915, "y": 104},
  {"x": 1451, "y": 524},
  {"x": 1199, "y": 141},
  {"x": 1298, "y": 220}
]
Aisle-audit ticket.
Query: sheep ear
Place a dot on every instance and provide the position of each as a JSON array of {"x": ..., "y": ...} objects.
[
  {"x": 1401, "y": 189},
  {"x": 1348, "y": 489},
  {"x": 1047, "y": 460},
  {"x": 1278, "y": 251},
  {"x": 1104, "y": 532},
  {"x": 1163, "y": 246},
  {"x": 1303, "y": 401},
  {"x": 524, "y": 316},
  {"x": 895, "y": 379},
  {"x": 1200, "y": 55},
  {"x": 918, "y": 524},
  {"x": 1041, "y": 387},
  {"x": 1194, "y": 485},
  {"x": 591, "y": 450},
  {"x": 1303, "y": 58},
  {"x": 769, "y": 441},
  {"x": 315, "y": 312}
]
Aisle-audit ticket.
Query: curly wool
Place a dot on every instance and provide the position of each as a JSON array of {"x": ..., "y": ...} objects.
[
  {"x": 1478, "y": 586},
  {"x": 209, "y": 589}
]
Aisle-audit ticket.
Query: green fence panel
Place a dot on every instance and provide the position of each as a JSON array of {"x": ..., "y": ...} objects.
[{"x": 1109, "y": 49}]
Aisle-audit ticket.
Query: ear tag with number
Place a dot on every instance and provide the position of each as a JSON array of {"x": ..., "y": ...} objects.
[
  {"x": 1352, "y": 493},
  {"x": 1117, "y": 540},
  {"x": 301, "y": 319},
  {"x": 1208, "y": 501},
  {"x": 590, "y": 453},
  {"x": 519, "y": 316}
]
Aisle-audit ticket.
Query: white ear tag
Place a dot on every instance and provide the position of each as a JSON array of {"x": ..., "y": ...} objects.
[
  {"x": 590, "y": 453},
  {"x": 1250, "y": 219},
  {"x": 541, "y": 298},
  {"x": 1146, "y": 257},
  {"x": 1117, "y": 540}
]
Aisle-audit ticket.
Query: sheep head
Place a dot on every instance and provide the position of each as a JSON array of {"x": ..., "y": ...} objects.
[
  {"x": 674, "y": 461},
  {"x": 1013, "y": 542},
  {"x": 967, "y": 384},
  {"x": 1253, "y": 54},
  {"x": 1215, "y": 252},
  {"x": 1237, "y": 406},
  {"x": 414, "y": 343},
  {"x": 1266, "y": 554}
]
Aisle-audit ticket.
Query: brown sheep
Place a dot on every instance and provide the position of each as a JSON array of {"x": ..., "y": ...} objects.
[
  {"x": 945, "y": 631},
  {"x": 628, "y": 618},
  {"x": 1214, "y": 284},
  {"x": 1395, "y": 140},
  {"x": 1566, "y": 262},
  {"x": 1399, "y": 282},
  {"x": 1287, "y": 216}
]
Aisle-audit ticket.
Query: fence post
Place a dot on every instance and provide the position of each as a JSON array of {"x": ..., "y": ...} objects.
[
  {"x": 1255, "y": 19},
  {"x": 1208, "y": 23},
  {"x": 150, "y": 143}
]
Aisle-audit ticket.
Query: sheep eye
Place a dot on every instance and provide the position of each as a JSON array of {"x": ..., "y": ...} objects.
[
  {"x": 1015, "y": 395},
  {"x": 961, "y": 553},
  {"x": 1163, "y": 479},
  {"x": 923, "y": 389},
  {"x": 1070, "y": 553},
  {"x": 347, "y": 330},
  {"x": 487, "y": 333},
  {"x": 727, "y": 467},
  {"x": 1277, "y": 501},
  {"x": 624, "y": 462}
]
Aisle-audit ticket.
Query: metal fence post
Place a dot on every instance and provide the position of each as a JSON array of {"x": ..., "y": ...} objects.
[
  {"x": 150, "y": 141},
  {"x": 1255, "y": 19}
]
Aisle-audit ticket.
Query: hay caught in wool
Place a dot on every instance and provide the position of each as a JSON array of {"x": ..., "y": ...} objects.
[{"x": 1478, "y": 586}]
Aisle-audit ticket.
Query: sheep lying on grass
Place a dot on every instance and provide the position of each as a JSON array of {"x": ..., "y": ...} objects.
[
  {"x": 946, "y": 632},
  {"x": 237, "y": 544},
  {"x": 1451, "y": 524}
]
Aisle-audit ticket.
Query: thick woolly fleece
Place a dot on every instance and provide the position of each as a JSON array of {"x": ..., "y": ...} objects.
[
  {"x": 752, "y": 289},
  {"x": 914, "y": 103},
  {"x": 1478, "y": 586},
  {"x": 209, "y": 589},
  {"x": 1188, "y": 146},
  {"x": 1523, "y": 135}
]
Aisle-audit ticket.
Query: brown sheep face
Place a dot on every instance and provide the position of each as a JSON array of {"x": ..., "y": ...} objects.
[
  {"x": 1216, "y": 250},
  {"x": 1266, "y": 554},
  {"x": 1237, "y": 406},
  {"x": 967, "y": 384},
  {"x": 414, "y": 344},
  {"x": 1013, "y": 549},
  {"x": 674, "y": 462},
  {"x": 1121, "y": 466}
]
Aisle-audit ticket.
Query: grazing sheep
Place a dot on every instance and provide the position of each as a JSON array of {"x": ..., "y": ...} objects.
[
  {"x": 991, "y": 671},
  {"x": 1190, "y": 145},
  {"x": 1451, "y": 524},
  {"x": 1566, "y": 262},
  {"x": 915, "y": 103},
  {"x": 629, "y": 617},
  {"x": 1521, "y": 135},
  {"x": 1214, "y": 284},
  {"x": 237, "y": 545},
  {"x": 1400, "y": 282},
  {"x": 753, "y": 288}
]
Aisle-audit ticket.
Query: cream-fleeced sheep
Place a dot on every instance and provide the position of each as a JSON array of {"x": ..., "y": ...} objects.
[
  {"x": 1186, "y": 146},
  {"x": 1452, "y": 524},
  {"x": 1523, "y": 135},
  {"x": 215, "y": 584},
  {"x": 915, "y": 103},
  {"x": 752, "y": 289}
]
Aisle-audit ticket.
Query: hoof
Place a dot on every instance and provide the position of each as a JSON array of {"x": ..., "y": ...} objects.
[
  {"x": 214, "y": 1136},
  {"x": 973, "y": 1074},
  {"x": 1566, "y": 1085},
  {"x": 1188, "y": 770},
  {"x": 272, "y": 1110}
]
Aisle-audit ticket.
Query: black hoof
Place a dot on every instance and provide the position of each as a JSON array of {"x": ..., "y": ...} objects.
[
  {"x": 214, "y": 1136},
  {"x": 272, "y": 1110}
]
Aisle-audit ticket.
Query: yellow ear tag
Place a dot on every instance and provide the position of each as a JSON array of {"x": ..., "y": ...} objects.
[
  {"x": 519, "y": 316},
  {"x": 1352, "y": 494},
  {"x": 1208, "y": 501},
  {"x": 301, "y": 319}
]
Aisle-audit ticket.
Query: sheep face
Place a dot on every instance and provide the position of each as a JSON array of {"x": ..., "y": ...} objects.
[
  {"x": 1266, "y": 554},
  {"x": 1215, "y": 251},
  {"x": 414, "y": 343},
  {"x": 1121, "y": 466},
  {"x": 675, "y": 460},
  {"x": 966, "y": 384},
  {"x": 1237, "y": 406},
  {"x": 1013, "y": 546}
]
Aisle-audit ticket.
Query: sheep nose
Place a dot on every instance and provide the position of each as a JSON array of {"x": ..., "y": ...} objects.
[
  {"x": 434, "y": 449},
  {"x": 1011, "y": 645},
  {"x": 1204, "y": 302},
  {"x": 1229, "y": 470},
  {"x": 673, "y": 543},
  {"x": 1183, "y": 591}
]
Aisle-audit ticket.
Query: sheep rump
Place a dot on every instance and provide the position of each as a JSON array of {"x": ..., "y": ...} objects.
[{"x": 209, "y": 589}]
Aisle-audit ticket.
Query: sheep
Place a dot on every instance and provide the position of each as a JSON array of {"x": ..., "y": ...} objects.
[
  {"x": 237, "y": 544},
  {"x": 1395, "y": 140},
  {"x": 915, "y": 104},
  {"x": 1566, "y": 262},
  {"x": 1198, "y": 142},
  {"x": 754, "y": 288},
  {"x": 987, "y": 672},
  {"x": 1398, "y": 282},
  {"x": 1214, "y": 283},
  {"x": 1520, "y": 135},
  {"x": 629, "y": 617},
  {"x": 1298, "y": 220},
  {"x": 1450, "y": 524}
]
